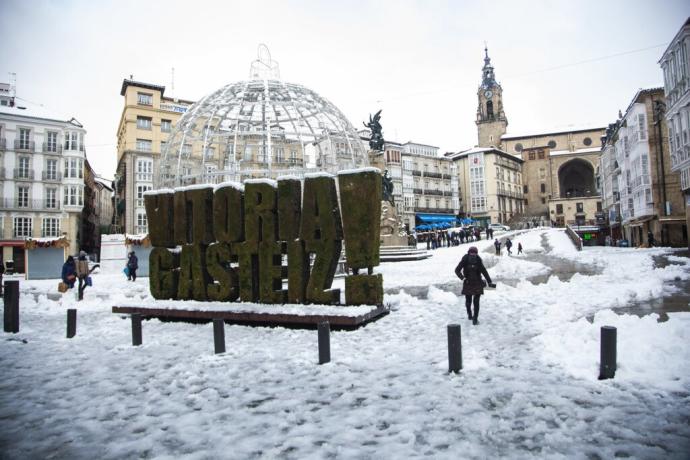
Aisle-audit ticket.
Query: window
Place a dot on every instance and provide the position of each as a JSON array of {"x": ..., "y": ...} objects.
[
  {"x": 143, "y": 145},
  {"x": 51, "y": 141},
  {"x": 73, "y": 195},
  {"x": 542, "y": 188},
  {"x": 599, "y": 206},
  {"x": 140, "y": 194},
  {"x": 543, "y": 200},
  {"x": 525, "y": 189},
  {"x": 540, "y": 154},
  {"x": 144, "y": 170},
  {"x": 163, "y": 146},
  {"x": 587, "y": 141},
  {"x": 51, "y": 198},
  {"x": 23, "y": 227},
  {"x": 552, "y": 144},
  {"x": 187, "y": 150},
  {"x": 559, "y": 209},
  {"x": 641, "y": 127},
  {"x": 518, "y": 147},
  {"x": 24, "y": 169},
  {"x": 23, "y": 196},
  {"x": 142, "y": 223},
  {"x": 542, "y": 173},
  {"x": 579, "y": 207},
  {"x": 50, "y": 227},
  {"x": 531, "y": 155},
  {"x": 144, "y": 99},
  {"x": 24, "y": 138},
  {"x": 166, "y": 126},
  {"x": 71, "y": 141},
  {"x": 74, "y": 168},
  {"x": 51, "y": 170},
  {"x": 144, "y": 123},
  {"x": 211, "y": 152}
]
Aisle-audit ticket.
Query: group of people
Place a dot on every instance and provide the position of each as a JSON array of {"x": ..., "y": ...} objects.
[
  {"x": 78, "y": 271},
  {"x": 508, "y": 245},
  {"x": 445, "y": 238}
]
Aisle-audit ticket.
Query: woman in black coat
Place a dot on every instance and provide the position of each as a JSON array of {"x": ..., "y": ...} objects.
[{"x": 470, "y": 269}]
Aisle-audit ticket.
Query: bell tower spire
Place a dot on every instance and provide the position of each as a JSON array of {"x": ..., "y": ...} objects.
[{"x": 491, "y": 120}]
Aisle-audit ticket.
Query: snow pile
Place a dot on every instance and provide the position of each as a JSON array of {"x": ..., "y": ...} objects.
[{"x": 648, "y": 351}]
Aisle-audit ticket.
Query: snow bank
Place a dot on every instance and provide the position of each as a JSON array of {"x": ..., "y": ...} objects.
[{"x": 648, "y": 351}]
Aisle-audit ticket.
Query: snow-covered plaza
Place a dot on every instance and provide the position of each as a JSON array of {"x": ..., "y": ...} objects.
[{"x": 528, "y": 389}]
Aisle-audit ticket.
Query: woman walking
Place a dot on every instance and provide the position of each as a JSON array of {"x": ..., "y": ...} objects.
[{"x": 470, "y": 270}]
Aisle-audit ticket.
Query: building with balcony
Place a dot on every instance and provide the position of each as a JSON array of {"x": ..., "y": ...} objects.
[
  {"x": 640, "y": 192},
  {"x": 490, "y": 184},
  {"x": 147, "y": 119},
  {"x": 41, "y": 179},
  {"x": 675, "y": 63}
]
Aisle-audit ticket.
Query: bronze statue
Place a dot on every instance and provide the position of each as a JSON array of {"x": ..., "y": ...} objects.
[
  {"x": 387, "y": 183},
  {"x": 374, "y": 125}
]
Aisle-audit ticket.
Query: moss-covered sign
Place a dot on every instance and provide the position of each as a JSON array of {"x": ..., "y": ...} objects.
[{"x": 268, "y": 241}]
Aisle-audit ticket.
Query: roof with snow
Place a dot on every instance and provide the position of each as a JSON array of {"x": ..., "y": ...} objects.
[
  {"x": 38, "y": 111},
  {"x": 575, "y": 152},
  {"x": 566, "y": 130},
  {"x": 495, "y": 151}
]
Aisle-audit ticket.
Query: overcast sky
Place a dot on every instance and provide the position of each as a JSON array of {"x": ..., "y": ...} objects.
[{"x": 560, "y": 63}]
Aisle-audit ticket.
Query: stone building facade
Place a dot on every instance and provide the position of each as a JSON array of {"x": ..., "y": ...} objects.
[
  {"x": 491, "y": 184},
  {"x": 640, "y": 191},
  {"x": 148, "y": 117},
  {"x": 491, "y": 118},
  {"x": 675, "y": 63},
  {"x": 41, "y": 179}
]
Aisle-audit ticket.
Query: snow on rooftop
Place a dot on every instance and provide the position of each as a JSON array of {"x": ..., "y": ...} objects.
[
  {"x": 552, "y": 131},
  {"x": 359, "y": 170},
  {"x": 575, "y": 152},
  {"x": 26, "y": 109}
]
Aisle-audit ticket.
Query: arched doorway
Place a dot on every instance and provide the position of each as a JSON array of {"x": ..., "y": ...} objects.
[{"x": 576, "y": 179}]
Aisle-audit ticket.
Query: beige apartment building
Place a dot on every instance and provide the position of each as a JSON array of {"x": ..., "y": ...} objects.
[
  {"x": 491, "y": 183},
  {"x": 147, "y": 119}
]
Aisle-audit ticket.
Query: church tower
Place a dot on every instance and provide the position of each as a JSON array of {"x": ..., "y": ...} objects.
[{"x": 491, "y": 120}]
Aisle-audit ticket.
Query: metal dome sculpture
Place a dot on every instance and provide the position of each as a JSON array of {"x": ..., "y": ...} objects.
[{"x": 260, "y": 128}]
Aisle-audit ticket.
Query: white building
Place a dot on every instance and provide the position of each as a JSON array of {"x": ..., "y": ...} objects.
[
  {"x": 41, "y": 178},
  {"x": 675, "y": 64}
]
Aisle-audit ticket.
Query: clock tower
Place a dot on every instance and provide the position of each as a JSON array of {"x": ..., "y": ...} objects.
[{"x": 491, "y": 120}]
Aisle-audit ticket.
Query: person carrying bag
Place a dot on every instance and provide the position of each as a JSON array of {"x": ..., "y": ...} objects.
[{"x": 470, "y": 270}]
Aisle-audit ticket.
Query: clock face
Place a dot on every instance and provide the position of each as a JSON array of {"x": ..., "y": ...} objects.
[{"x": 488, "y": 93}]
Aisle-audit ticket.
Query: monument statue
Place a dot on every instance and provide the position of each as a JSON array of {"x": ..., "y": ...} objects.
[
  {"x": 387, "y": 188},
  {"x": 374, "y": 125}
]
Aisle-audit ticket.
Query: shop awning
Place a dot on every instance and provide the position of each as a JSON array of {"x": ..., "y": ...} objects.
[
  {"x": 435, "y": 218},
  {"x": 15, "y": 243}
]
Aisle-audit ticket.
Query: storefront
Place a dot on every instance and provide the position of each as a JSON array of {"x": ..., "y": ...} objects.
[{"x": 45, "y": 257}]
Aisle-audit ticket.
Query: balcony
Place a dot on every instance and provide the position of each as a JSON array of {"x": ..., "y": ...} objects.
[
  {"x": 416, "y": 172},
  {"x": 51, "y": 176},
  {"x": 433, "y": 174},
  {"x": 24, "y": 146},
  {"x": 23, "y": 174},
  {"x": 433, "y": 210},
  {"x": 433, "y": 192},
  {"x": 288, "y": 161},
  {"x": 52, "y": 149},
  {"x": 35, "y": 205}
]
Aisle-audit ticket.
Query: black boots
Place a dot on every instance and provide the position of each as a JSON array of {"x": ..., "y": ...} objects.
[
  {"x": 469, "y": 311},
  {"x": 476, "y": 315}
]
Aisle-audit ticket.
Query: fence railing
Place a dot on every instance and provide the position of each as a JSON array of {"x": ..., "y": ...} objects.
[
  {"x": 574, "y": 237},
  {"x": 24, "y": 145},
  {"x": 18, "y": 203},
  {"x": 23, "y": 174},
  {"x": 55, "y": 149}
]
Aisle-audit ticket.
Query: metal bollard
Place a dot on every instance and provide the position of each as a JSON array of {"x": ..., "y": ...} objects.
[
  {"x": 11, "y": 301},
  {"x": 324, "y": 342},
  {"x": 219, "y": 335},
  {"x": 607, "y": 363},
  {"x": 136, "y": 329},
  {"x": 454, "y": 348},
  {"x": 71, "y": 322}
]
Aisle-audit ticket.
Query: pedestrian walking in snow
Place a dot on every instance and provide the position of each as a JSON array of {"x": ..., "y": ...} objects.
[
  {"x": 69, "y": 272},
  {"x": 470, "y": 270},
  {"x": 509, "y": 244},
  {"x": 497, "y": 245},
  {"x": 132, "y": 266},
  {"x": 82, "y": 273},
  {"x": 519, "y": 248},
  {"x": 650, "y": 239}
]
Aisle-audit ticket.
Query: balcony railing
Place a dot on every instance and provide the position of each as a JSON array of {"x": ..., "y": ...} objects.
[
  {"x": 434, "y": 210},
  {"x": 23, "y": 174},
  {"x": 27, "y": 146},
  {"x": 51, "y": 176},
  {"x": 433, "y": 192},
  {"x": 55, "y": 149},
  {"x": 417, "y": 191},
  {"x": 39, "y": 205},
  {"x": 416, "y": 172},
  {"x": 433, "y": 174}
]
